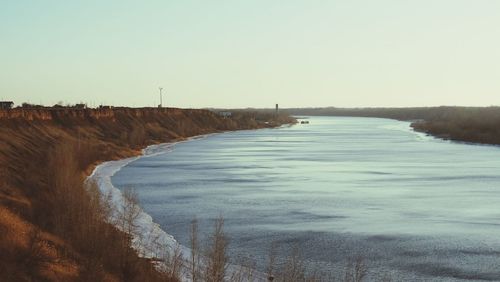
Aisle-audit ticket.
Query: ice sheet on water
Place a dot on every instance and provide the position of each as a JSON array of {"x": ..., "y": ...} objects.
[{"x": 148, "y": 238}]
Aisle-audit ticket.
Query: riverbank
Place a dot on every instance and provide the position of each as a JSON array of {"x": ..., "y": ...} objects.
[
  {"x": 149, "y": 240},
  {"x": 52, "y": 229},
  {"x": 465, "y": 124}
]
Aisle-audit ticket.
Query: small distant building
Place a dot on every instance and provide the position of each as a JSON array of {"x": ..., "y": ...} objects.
[
  {"x": 80, "y": 106},
  {"x": 102, "y": 107},
  {"x": 6, "y": 105},
  {"x": 225, "y": 114}
]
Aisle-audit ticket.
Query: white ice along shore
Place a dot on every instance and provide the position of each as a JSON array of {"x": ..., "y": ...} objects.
[{"x": 148, "y": 239}]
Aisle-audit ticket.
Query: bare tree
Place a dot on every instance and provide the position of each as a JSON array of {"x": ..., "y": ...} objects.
[
  {"x": 195, "y": 251},
  {"x": 130, "y": 212},
  {"x": 127, "y": 217},
  {"x": 245, "y": 270},
  {"x": 272, "y": 261},
  {"x": 294, "y": 270},
  {"x": 173, "y": 263},
  {"x": 217, "y": 259},
  {"x": 356, "y": 270}
]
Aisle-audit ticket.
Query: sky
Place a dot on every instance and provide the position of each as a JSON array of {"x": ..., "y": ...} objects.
[{"x": 255, "y": 53}]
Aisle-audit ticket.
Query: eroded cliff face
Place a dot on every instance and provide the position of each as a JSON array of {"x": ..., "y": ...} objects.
[
  {"x": 40, "y": 114},
  {"x": 29, "y": 140}
]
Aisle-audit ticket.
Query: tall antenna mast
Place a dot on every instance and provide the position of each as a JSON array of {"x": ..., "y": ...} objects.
[{"x": 161, "y": 102}]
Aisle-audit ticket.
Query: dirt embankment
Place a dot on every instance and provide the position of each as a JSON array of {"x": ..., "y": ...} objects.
[{"x": 50, "y": 229}]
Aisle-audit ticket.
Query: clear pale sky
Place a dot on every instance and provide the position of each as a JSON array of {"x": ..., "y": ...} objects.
[{"x": 251, "y": 53}]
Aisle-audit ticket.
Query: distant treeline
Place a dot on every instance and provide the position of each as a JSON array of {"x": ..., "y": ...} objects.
[{"x": 468, "y": 124}]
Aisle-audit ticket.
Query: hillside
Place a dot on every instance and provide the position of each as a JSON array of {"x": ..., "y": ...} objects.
[{"x": 51, "y": 227}]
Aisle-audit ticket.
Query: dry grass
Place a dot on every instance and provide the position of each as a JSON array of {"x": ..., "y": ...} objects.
[{"x": 52, "y": 227}]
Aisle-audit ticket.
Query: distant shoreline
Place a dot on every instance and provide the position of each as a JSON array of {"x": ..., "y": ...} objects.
[{"x": 474, "y": 125}]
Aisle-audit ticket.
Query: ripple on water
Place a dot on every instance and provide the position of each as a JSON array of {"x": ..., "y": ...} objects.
[{"x": 411, "y": 205}]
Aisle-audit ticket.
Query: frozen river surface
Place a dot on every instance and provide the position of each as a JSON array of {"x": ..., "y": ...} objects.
[{"x": 415, "y": 207}]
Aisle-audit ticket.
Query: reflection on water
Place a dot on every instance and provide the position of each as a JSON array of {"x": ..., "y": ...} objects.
[{"x": 415, "y": 207}]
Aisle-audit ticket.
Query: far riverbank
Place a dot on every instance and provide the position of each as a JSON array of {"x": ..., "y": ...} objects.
[{"x": 467, "y": 124}]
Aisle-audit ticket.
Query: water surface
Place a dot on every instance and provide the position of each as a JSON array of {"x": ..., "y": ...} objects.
[{"x": 415, "y": 207}]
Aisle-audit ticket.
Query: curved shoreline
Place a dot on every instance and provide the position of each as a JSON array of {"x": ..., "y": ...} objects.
[
  {"x": 149, "y": 235},
  {"x": 149, "y": 238},
  {"x": 43, "y": 145}
]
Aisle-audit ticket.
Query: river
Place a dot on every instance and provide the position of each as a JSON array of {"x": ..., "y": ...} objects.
[{"x": 414, "y": 207}]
